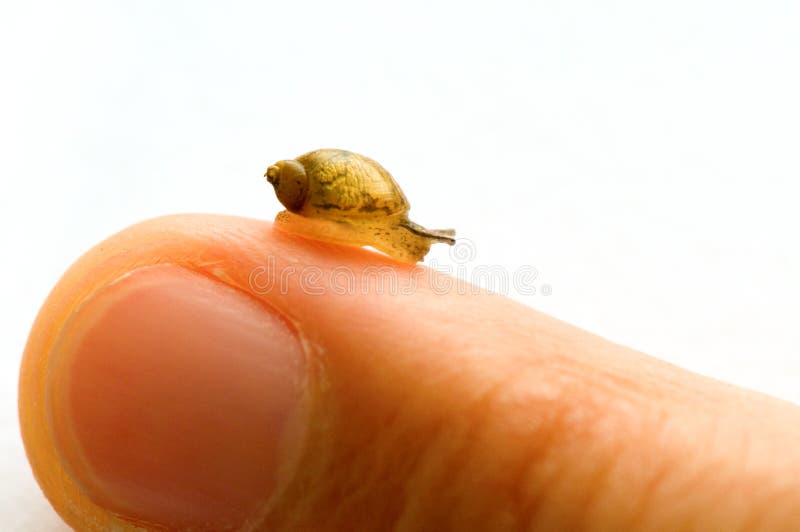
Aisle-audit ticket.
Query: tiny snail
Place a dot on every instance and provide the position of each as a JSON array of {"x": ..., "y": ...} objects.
[{"x": 344, "y": 197}]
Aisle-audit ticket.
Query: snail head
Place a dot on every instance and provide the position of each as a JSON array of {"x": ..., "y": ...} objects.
[{"x": 291, "y": 183}]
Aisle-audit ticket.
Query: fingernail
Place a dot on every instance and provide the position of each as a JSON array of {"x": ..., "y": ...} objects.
[{"x": 170, "y": 398}]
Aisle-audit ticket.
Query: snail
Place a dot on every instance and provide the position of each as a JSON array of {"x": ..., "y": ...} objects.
[{"x": 344, "y": 197}]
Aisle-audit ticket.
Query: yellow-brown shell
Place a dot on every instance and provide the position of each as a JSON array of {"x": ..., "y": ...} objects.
[
  {"x": 341, "y": 196},
  {"x": 346, "y": 185}
]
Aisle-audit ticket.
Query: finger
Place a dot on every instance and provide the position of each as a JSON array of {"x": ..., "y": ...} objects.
[{"x": 214, "y": 373}]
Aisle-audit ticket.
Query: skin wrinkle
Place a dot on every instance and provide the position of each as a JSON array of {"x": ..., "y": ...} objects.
[
  {"x": 433, "y": 464},
  {"x": 749, "y": 519},
  {"x": 746, "y": 463},
  {"x": 659, "y": 472},
  {"x": 531, "y": 495},
  {"x": 431, "y": 474},
  {"x": 582, "y": 481},
  {"x": 601, "y": 412},
  {"x": 436, "y": 468},
  {"x": 545, "y": 470},
  {"x": 653, "y": 465},
  {"x": 543, "y": 467},
  {"x": 688, "y": 497},
  {"x": 480, "y": 416},
  {"x": 396, "y": 462},
  {"x": 615, "y": 437},
  {"x": 405, "y": 463},
  {"x": 496, "y": 399},
  {"x": 354, "y": 479},
  {"x": 430, "y": 460},
  {"x": 593, "y": 493},
  {"x": 670, "y": 487},
  {"x": 353, "y": 465},
  {"x": 540, "y": 457},
  {"x": 454, "y": 456}
]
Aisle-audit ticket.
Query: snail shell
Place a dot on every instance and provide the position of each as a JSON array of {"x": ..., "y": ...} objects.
[
  {"x": 336, "y": 184},
  {"x": 360, "y": 201}
]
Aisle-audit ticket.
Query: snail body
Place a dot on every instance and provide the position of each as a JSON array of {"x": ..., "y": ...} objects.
[{"x": 345, "y": 197}]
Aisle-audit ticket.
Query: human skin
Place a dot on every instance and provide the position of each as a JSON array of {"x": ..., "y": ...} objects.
[{"x": 166, "y": 384}]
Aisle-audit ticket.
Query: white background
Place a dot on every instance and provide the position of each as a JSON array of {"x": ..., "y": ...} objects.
[{"x": 642, "y": 156}]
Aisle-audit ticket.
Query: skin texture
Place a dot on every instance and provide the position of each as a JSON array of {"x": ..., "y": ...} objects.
[{"x": 431, "y": 410}]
